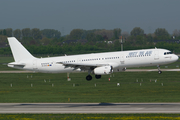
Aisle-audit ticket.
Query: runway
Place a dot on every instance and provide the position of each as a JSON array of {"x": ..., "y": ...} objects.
[
  {"x": 89, "y": 108},
  {"x": 128, "y": 70},
  {"x": 149, "y": 70}
]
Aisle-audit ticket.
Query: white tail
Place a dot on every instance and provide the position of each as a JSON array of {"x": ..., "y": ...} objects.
[{"x": 18, "y": 50}]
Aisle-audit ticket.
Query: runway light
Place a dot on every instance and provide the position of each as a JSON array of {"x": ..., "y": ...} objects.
[
  {"x": 73, "y": 85},
  {"x": 118, "y": 84},
  {"x": 68, "y": 79},
  {"x": 11, "y": 84},
  {"x": 140, "y": 84},
  {"x": 44, "y": 80},
  {"x": 52, "y": 85},
  {"x": 95, "y": 84},
  {"x": 162, "y": 84},
  {"x": 31, "y": 85}
]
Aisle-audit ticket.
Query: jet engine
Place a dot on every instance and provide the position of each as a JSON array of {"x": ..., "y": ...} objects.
[{"x": 103, "y": 70}]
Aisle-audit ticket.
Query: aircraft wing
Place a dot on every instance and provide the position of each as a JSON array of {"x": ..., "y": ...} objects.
[{"x": 82, "y": 66}]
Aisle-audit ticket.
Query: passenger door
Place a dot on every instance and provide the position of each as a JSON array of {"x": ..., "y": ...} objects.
[
  {"x": 122, "y": 58},
  {"x": 156, "y": 55}
]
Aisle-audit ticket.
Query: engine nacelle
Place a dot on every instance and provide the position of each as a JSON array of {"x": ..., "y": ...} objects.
[{"x": 103, "y": 70}]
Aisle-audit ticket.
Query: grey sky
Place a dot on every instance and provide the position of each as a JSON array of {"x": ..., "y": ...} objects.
[{"x": 65, "y": 15}]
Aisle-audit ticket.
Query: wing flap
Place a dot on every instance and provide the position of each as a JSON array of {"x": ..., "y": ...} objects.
[{"x": 82, "y": 66}]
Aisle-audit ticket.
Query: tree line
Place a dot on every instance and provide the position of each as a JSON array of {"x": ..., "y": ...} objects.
[
  {"x": 34, "y": 33},
  {"x": 50, "y": 41}
]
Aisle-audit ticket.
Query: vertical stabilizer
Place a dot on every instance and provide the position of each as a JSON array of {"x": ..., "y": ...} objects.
[{"x": 18, "y": 50}]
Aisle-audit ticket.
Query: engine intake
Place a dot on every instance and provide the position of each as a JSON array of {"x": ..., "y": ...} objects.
[{"x": 103, "y": 70}]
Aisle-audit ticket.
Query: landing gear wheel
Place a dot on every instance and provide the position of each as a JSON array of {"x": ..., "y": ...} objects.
[
  {"x": 98, "y": 76},
  {"x": 89, "y": 77},
  {"x": 159, "y": 72}
]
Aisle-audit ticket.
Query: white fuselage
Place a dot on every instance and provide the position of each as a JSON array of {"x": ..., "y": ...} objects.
[{"x": 118, "y": 60}]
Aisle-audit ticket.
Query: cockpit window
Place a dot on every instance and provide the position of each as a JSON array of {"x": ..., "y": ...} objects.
[
  {"x": 166, "y": 53},
  {"x": 169, "y": 52}
]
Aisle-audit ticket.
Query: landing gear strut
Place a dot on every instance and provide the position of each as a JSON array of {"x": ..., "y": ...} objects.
[
  {"x": 89, "y": 77},
  {"x": 159, "y": 71}
]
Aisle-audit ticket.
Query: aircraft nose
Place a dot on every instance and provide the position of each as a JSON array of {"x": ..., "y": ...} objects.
[{"x": 176, "y": 57}]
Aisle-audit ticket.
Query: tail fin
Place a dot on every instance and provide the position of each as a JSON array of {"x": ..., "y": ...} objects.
[{"x": 18, "y": 50}]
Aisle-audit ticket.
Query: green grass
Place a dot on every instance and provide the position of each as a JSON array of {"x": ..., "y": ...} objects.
[
  {"x": 3, "y": 63},
  {"x": 89, "y": 116},
  {"x": 85, "y": 91}
]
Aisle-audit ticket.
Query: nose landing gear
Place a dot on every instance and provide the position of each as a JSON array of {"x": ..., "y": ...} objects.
[{"x": 159, "y": 71}]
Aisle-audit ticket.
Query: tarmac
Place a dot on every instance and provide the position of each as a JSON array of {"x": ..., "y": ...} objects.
[{"x": 104, "y": 108}]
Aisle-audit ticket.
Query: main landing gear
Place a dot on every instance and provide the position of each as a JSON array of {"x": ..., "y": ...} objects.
[
  {"x": 159, "y": 71},
  {"x": 98, "y": 76},
  {"x": 89, "y": 77}
]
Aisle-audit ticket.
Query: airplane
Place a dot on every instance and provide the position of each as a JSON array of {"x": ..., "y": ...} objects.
[{"x": 95, "y": 63}]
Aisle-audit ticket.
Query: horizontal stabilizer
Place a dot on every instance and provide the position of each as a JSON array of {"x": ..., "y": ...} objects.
[{"x": 14, "y": 64}]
